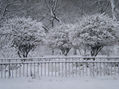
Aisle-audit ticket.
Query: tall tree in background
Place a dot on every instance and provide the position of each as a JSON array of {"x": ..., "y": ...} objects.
[
  {"x": 52, "y": 6},
  {"x": 113, "y": 8},
  {"x": 6, "y": 7}
]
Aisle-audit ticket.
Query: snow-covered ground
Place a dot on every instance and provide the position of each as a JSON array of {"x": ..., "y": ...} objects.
[{"x": 60, "y": 83}]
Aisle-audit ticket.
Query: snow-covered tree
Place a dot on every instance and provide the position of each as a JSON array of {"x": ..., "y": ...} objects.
[
  {"x": 95, "y": 32},
  {"x": 59, "y": 38},
  {"x": 24, "y": 34}
]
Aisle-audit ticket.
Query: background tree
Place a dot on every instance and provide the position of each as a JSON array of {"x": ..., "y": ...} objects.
[
  {"x": 113, "y": 8},
  {"x": 24, "y": 33},
  {"x": 5, "y": 9},
  {"x": 95, "y": 32},
  {"x": 52, "y": 6}
]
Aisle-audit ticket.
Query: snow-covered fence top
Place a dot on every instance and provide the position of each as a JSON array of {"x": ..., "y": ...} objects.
[{"x": 82, "y": 58}]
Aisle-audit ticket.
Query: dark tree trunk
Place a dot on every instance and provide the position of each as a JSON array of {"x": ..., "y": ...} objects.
[
  {"x": 19, "y": 54},
  {"x": 53, "y": 52},
  {"x": 95, "y": 50},
  {"x": 23, "y": 50},
  {"x": 75, "y": 51},
  {"x": 65, "y": 51}
]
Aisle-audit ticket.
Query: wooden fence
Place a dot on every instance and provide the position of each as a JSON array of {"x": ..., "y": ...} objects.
[{"x": 59, "y": 67}]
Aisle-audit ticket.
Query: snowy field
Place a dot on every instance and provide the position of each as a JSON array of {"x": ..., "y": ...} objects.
[{"x": 60, "y": 83}]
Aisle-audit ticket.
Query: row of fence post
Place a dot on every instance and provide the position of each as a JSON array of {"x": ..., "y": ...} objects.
[{"x": 65, "y": 67}]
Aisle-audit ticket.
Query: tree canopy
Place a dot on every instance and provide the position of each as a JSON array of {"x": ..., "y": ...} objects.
[
  {"x": 24, "y": 33},
  {"x": 95, "y": 31},
  {"x": 59, "y": 38}
]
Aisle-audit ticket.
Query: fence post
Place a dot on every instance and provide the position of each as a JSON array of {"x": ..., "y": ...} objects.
[{"x": 9, "y": 72}]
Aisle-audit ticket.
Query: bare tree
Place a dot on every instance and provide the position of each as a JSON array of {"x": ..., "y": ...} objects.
[
  {"x": 5, "y": 7},
  {"x": 52, "y": 7},
  {"x": 104, "y": 7},
  {"x": 113, "y": 8}
]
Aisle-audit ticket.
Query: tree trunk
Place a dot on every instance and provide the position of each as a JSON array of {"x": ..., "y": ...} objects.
[
  {"x": 113, "y": 9},
  {"x": 53, "y": 52},
  {"x": 65, "y": 51},
  {"x": 75, "y": 51},
  {"x": 19, "y": 54},
  {"x": 95, "y": 50}
]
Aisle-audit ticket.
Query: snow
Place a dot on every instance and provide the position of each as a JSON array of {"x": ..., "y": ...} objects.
[{"x": 60, "y": 83}]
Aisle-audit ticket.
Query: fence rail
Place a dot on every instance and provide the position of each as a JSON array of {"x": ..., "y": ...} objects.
[{"x": 59, "y": 67}]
